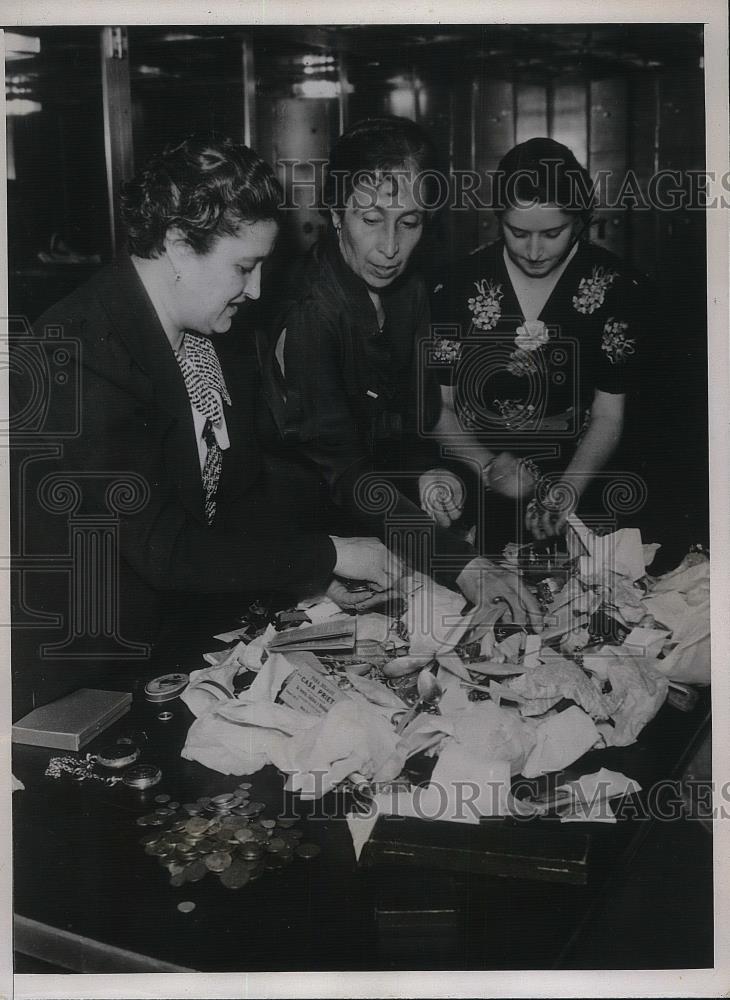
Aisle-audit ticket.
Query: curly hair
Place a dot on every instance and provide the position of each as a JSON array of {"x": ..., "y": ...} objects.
[
  {"x": 206, "y": 187},
  {"x": 542, "y": 171},
  {"x": 375, "y": 146}
]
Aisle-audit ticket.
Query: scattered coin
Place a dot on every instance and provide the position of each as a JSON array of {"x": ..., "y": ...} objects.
[
  {"x": 162, "y": 799},
  {"x": 177, "y": 880},
  {"x": 245, "y": 785},
  {"x": 236, "y": 876},
  {"x": 276, "y": 845},
  {"x": 307, "y": 851},
  {"x": 244, "y": 836},
  {"x": 268, "y": 824},
  {"x": 286, "y": 821},
  {"x": 251, "y": 852},
  {"x": 196, "y": 825},
  {"x": 147, "y": 820},
  {"x": 206, "y": 846},
  {"x": 195, "y": 871},
  {"x": 252, "y": 809},
  {"x": 223, "y": 800},
  {"x": 218, "y": 861},
  {"x": 187, "y": 906},
  {"x": 159, "y": 850}
]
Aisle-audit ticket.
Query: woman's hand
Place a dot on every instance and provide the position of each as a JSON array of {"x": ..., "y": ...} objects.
[
  {"x": 441, "y": 495},
  {"x": 367, "y": 559},
  {"x": 509, "y": 476},
  {"x": 357, "y": 600},
  {"x": 481, "y": 582},
  {"x": 547, "y": 516}
]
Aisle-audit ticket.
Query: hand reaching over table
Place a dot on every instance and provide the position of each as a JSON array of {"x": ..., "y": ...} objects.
[
  {"x": 547, "y": 516},
  {"x": 441, "y": 495},
  {"x": 360, "y": 598},
  {"x": 510, "y": 476},
  {"x": 367, "y": 559},
  {"x": 481, "y": 582}
]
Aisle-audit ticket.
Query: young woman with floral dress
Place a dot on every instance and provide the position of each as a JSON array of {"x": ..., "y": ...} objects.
[{"x": 537, "y": 338}]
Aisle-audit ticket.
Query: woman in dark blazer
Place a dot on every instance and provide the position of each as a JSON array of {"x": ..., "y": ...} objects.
[{"x": 171, "y": 414}]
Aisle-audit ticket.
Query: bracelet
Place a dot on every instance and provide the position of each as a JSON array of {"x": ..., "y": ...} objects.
[
  {"x": 79, "y": 769},
  {"x": 533, "y": 468},
  {"x": 484, "y": 471}
]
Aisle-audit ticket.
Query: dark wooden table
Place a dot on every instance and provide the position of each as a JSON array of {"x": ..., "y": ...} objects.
[{"x": 87, "y": 897}]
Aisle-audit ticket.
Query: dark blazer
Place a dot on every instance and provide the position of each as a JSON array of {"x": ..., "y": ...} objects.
[{"x": 135, "y": 421}]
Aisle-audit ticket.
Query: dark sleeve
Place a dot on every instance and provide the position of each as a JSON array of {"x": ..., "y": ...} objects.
[
  {"x": 448, "y": 325},
  {"x": 317, "y": 417},
  {"x": 624, "y": 326},
  {"x": 170, "y": 547},
  {"x": 422, "y": 450}
]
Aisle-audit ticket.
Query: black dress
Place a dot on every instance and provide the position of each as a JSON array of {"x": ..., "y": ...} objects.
[{"x": 528, "y": 387}]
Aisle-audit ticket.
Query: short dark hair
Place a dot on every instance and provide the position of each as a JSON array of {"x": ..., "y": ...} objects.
[
  {"x": 542, "y": 171},
  {"x": 376, "y": 146},
  {"x": 206, "y": 186}
]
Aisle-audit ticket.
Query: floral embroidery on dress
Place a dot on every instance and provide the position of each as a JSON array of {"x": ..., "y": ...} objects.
[
  {"x": 617, "y": 346},
  {"x": 514, "y": 410},
  {"x": 592, "y": 291},
  {"x": 521, "y": 363},
  {"x": 530, "y": 337},
  {"x": 485, "y": 306},
  {"x": 445, "y": 351}
]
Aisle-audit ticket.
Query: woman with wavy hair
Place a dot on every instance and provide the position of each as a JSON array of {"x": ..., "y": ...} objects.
[{"x": 169, "y": 401}]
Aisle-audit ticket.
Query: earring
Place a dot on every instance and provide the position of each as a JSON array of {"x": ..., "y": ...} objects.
[{"x": 174, "y": 269}]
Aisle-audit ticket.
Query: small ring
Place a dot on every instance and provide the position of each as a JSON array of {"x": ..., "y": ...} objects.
[{"x": 164, "y": 716}]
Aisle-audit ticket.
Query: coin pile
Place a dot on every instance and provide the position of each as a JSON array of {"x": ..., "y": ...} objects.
[{"x": 225, "y": 835}]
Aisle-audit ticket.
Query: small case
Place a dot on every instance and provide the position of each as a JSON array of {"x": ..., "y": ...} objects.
[
  {"x": 531, "y": 851},
  {"x": 72, "y": 722}
]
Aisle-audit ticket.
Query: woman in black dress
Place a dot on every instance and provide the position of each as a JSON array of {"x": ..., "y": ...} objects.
[{"x": 535, "y": 385}]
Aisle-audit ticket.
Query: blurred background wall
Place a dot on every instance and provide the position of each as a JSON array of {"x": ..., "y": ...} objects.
[{"x": 621, "y": 96}]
